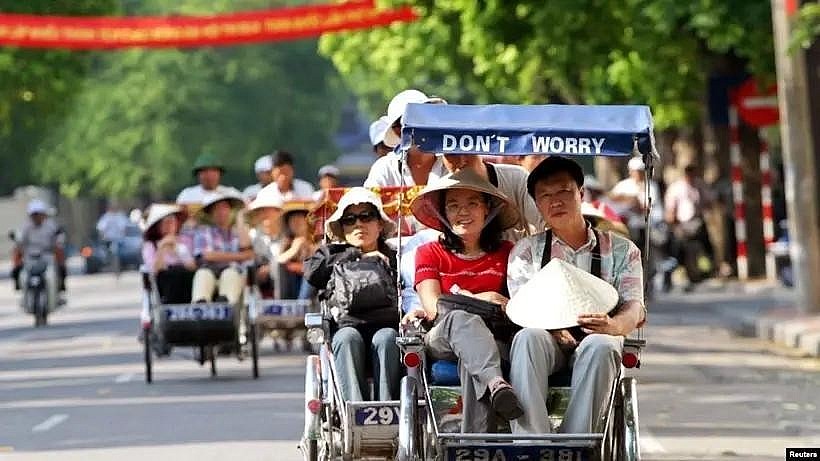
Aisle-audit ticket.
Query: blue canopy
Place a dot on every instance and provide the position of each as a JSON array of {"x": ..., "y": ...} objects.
[{"x": 520, "y": 130}]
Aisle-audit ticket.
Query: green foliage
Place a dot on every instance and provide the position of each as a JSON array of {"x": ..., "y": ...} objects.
[
  {"x": 122, "y": 123},
  {"x": 36, "y": 86},
  {"x": 806, "y": 27},
  {"x": 654, "y": 52}
]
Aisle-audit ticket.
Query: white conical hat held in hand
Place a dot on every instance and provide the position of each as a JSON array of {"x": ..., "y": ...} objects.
[{"x": 557, "y": 294}]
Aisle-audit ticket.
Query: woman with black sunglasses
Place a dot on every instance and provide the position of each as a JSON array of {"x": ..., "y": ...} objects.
[{"x": 355, "y": 276}]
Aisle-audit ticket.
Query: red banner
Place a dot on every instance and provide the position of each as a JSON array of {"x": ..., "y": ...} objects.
[{"x": 191, "y": 31}]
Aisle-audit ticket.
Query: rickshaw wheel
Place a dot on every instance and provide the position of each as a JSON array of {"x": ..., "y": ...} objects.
[
  {"x": 146, "y": 334},
  {"x": 312, "y": 451},
  {"x": 626, "y": 446},
  {"x": 409, "y": 446},
  {"x": 254, "y": 349}
]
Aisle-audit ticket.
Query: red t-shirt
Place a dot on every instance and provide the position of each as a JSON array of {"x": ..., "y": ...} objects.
[{"x": 487, "y": 273}]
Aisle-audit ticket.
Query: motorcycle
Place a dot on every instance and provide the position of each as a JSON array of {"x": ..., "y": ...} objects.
[{"x": 38, "y": 281}]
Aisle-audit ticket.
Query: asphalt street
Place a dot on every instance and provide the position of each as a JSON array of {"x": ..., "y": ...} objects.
[{"x": 75, "y": 389}]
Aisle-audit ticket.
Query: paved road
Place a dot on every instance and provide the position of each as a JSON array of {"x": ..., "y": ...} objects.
[{"x": 75, "y": 390}]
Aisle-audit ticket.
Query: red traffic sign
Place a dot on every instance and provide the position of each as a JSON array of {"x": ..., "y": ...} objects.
[{"x": 756, "y": 108}]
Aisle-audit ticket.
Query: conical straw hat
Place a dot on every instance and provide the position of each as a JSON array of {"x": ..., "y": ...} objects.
[{"x": 557, "y": 294}]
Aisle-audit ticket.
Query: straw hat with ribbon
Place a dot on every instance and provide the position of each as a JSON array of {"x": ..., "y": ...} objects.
[
  {"x": 569, "y": 291},
  {"x": 159, "y": 211},
  {"x": 601, "y": 221},
  {"x": 426, "y": 207},
  {"x": 356, "y": 196}
]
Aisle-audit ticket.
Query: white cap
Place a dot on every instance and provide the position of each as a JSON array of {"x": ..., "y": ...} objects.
[
  {"x": 572, "y": 291},
  {"x": 635, "y": 164},
  {"x": 328, "y": 170},
  {"x": 268, "y": 197},
  {"x": 395, "y": 110},
  {"x": 37, "y": 206},
  {"x": 377, "y": 130},
  {"x": 263, "y": 163}
]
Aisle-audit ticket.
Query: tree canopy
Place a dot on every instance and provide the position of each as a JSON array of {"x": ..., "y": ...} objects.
[
  {"x": 132, "y": 121},
  {"x": 654, "y": 52}
]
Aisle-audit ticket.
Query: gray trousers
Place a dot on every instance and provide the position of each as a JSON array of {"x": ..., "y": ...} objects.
[
  {"x": 462, "y": 336},
  {"x": 349, "y": 349},
  {"x": 595, "y": 365}
]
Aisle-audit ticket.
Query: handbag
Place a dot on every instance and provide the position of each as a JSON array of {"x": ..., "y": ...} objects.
[
  {"x": 489, "y": 312},
  {"x": 358, "y": 286}
]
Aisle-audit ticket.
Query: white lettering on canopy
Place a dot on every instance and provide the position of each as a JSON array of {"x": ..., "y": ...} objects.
[
  {"x": 566, "y": 145},
  {"x": 540, "y": 144},
  {"x": 471, "y": 143}
]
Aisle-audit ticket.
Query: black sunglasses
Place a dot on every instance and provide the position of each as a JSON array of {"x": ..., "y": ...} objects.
[{"x": 365, "y": 217}]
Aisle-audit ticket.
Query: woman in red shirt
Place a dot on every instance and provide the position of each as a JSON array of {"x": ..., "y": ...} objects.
[{"x": 470, "y": 258}]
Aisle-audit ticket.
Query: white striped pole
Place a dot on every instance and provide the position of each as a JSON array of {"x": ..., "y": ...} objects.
[
  {"x": 766, "y": 202},
  {"x": 737, "y": 195}
]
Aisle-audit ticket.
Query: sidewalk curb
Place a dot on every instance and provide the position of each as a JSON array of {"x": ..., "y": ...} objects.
[{"x": 791, "y": 328}]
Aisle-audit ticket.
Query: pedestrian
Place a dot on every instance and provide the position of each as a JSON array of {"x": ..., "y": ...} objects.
[
  {"x": 685, "y": 201},
  {"x": 630, "y": 194}
]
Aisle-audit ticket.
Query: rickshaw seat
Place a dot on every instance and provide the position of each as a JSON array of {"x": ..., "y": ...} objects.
[{"x": 445, "y": 373}]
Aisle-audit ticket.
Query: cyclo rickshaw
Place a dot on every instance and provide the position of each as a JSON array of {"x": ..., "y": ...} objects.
[
  {"x": 278, "y": 311},
  {"x": 210, "y": 328},
  {"x": 421, "y": 426}
]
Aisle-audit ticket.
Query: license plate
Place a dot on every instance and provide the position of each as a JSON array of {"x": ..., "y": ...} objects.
[
  {"x": 377, "y": 415},
  {"x": 188, "y": 313},
  {"x": 284, "y": 309},
  {"x": 517, "y": 453}
]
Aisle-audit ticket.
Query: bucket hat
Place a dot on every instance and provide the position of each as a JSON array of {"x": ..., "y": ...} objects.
[
  {"x": 267, "y": 197},
  {"x": 377, "y": 130},
  {"x": 427, "y": 205},
  {"x": 557, "y": 294},
  {"x": 234, "y": 199},
  {"x": 356, "y": 196},
  {"x": 157, "y": 212},
  {"x": 207, "y": 160}
]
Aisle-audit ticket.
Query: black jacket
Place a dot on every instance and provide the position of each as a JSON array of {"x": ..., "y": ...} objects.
[{"x": 318, "y": 270}]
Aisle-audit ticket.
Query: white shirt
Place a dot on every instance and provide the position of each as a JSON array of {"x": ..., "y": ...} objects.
[
  {"x": 111, "y": 225},
  {"x": 301, "y": 190},
  {"x": 196, "y": 194},
  {"x": 385, "y": 172},
  {"x": 685, "y": 199},
  {"x": 250, "y": 192},
  {"x": 631, "y": 188}
]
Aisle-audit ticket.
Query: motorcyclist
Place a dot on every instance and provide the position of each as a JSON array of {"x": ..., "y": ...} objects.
[{"x": 40, "y": 235}]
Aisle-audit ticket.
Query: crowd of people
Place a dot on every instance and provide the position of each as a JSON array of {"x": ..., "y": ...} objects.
[{"x": 479, "y": 230}]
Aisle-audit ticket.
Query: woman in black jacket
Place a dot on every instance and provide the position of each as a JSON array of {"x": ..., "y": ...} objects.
[{"x": 355, "y": 275}]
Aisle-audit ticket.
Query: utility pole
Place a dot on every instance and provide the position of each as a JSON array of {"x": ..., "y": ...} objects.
[{"x": 799, "y": 157}]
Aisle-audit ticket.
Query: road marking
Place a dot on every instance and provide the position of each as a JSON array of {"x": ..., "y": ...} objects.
[
  {"x": 124, "y": 378},
  {"x": 49, "y": 423},
  {"x": 650, "y": 444}
]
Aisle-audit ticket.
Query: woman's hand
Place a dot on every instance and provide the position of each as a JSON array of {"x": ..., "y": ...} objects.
[
  {"x": 414, "y": 315},
  {"x": 491, "y": 296},
  {"x": 168, "y": 242}
]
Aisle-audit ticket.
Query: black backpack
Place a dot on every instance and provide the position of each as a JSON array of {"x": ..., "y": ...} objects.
[{"x": 361, "y": 285}]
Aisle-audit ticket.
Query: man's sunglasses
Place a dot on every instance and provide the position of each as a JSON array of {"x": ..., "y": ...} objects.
[{"x": 365, "y": 217}]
